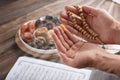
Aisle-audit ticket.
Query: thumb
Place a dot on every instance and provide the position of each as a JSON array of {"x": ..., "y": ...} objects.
[{"x": 90, "y": 10}]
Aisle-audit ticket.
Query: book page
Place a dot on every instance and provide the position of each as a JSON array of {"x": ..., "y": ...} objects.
[{"x": 35, "y": 69}]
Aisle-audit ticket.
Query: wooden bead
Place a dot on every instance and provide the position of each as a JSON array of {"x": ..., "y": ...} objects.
[
  {"x": 92, "y": 33},
  {"x": 74, "y": 22},
  {"x": 91, "y": 37},
  {"x": 80, "y": 29},
  {"x": 86, "y": 25},
  {"x": 84, "y": 32},
  {"x": 88, "y": 32},
  {"x": 95, "y": 34},
  {"x": 77, "y": 27},
  {"x": 88, "y": 35},
  {"x": 81, "y": 14},
  {"x": 73, "y": 19},
  {"x": 69, "y": 13},
  {"x": 84, "y": 19},
  {"x": 84, "y": 22},
  {"x": 79, "y": 8}
]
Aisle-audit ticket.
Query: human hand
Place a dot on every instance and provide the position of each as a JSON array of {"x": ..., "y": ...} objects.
[
  {"x": 74, "y": 52},
  {"x": 99, "y": 20}
]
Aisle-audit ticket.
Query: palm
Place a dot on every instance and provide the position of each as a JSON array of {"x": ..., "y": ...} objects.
[
  {"x": 80, "y": 54},
  {"x": 73, "y": 52},
  {"x": 102, "y": 24}
]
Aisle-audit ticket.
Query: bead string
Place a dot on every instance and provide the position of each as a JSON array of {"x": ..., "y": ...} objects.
[
  {"x": 85, "y": 24},
  {"x": 88, "y": 32},
  {"x": 77, "y": 27}
]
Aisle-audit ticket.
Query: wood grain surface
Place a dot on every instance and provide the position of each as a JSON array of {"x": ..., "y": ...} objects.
[{"x": 20, "y": 11}]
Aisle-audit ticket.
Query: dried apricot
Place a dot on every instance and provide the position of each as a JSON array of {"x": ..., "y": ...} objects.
[
  {"x": 31, "y": 27},
  {"x": 23, "y": 28},
  {"x": 28, "y": 35}
]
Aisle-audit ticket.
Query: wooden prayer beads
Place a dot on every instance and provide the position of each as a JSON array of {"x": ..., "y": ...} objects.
[
  {"x": 85, "y": 30},
  {"x": 76, "y": 26},
  {"x": 85, "y": 24}
]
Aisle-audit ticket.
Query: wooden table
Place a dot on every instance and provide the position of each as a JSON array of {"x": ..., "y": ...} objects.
[{"x": 20, "y": 11}]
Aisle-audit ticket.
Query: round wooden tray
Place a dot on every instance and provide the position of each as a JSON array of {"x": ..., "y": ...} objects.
[{"x": 34, "y": 54}]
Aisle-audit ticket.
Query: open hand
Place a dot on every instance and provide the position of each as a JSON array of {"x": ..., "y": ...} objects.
[
  {"x": 74, "y": 52},
  {"x": 99, "y": 20}
]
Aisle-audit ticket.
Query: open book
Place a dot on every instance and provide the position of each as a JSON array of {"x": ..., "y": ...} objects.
[{"x": 27, "y": 68}]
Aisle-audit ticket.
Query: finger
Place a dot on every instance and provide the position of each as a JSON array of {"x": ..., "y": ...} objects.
[
  {"x": 70, "y": 36},
  {"x": 69, "y": 27},
  {"x": 65, "y": 16},
  {"x": 72, "y": 30},
  {"x": 90, "y": 10},
  {"x": 60, "y": 36},
  {"x": 76, "y": 32},
  {"x": 72, "y": 9},
  {"x": 66, "y": 22},
  {"x": 62, "y": 31},
  {"x": 79, "y": 34},
  {"x": 66, "y": 37},
  {"x": 58, "y": 44}
]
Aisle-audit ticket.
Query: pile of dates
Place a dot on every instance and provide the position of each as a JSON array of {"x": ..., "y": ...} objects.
[{"x": 37, "y": 34}]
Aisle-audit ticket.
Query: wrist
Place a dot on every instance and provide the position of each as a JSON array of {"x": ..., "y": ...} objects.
[{"x": 108, "y": 63}]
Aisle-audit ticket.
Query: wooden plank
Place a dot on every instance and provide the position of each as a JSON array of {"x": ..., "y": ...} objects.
[
  {"x": 6, "y": 2},
  {"x": 16, "y": 5},
  {"x": 4, "y": 46},
  {"x": 19, "y": 8},
  {"x": 7, "y": 60}
]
